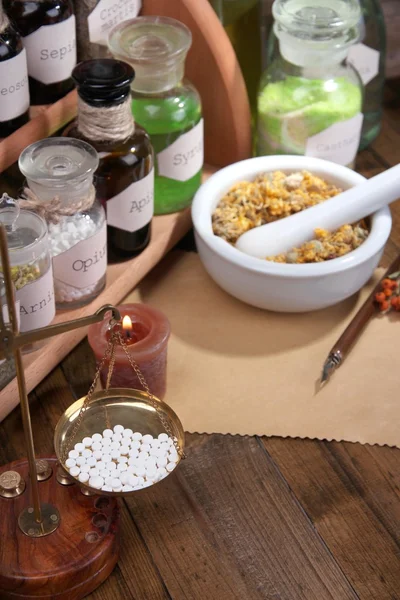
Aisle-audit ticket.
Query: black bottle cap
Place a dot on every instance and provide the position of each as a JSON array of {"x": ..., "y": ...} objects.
[{"x": 103, "y": 81}]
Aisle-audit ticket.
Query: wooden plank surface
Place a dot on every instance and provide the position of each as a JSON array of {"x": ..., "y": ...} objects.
[{"x": 251, "y": 518}]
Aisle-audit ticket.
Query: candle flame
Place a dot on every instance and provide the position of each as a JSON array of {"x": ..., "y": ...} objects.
[{"x": 126, "y": 323}]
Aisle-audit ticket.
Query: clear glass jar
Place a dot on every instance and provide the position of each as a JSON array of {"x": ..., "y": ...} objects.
[
  {"x": 368, "y": 58},
  {"x": 165, "y": 104},
  {"x": 31, "y": 268},
  {"x": 62, "y": 169},
  {"x": 310, "y": 100}
]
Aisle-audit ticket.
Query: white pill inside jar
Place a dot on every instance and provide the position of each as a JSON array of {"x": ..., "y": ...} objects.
[
  {"x": 122, "y": 467},
  {"x": 96, "y": 446},
  {"x": 132, "y": 480},
  {"x": 81, "y": 461},
  {"x": 74, "y": 471},
  {"x": 136, "y": 436},
  {"x": 83, "y": 477},
  {"x": 116, "y": 483},
  {"x": 133, "y": 453},
  {"x": 101, "y": 465},
  {"x": 73, "y": 454},
  {"x": 127, "y": 433},
  {"x": 107, "y": 488},
  {"x": 106, "y": 442},
  {"x": 127, "y": 488},
  {"x": 97, "y": 454},
  {"x": 79, "y": 447},
  {"x": 170, "y": 467},
  {"x": 94, "y": 472},
  {"x": 106, "y": 458},
  {"x": 70, "y": 462},
  {"x": 162, "y": 437},
  {"x": 140, "y": 471},
  {"x": 117, "y": 437},
  {"x": 97, "y": 437},
  {"x": 91, "y": 461},
  {"x": 111, "y": 466},
  {"x": 85, "y": 468},
  {"x": 86, "y": 453},
  {"x": 115, "y": 446},
  {"x": 87, "y": 442},
  {"x": 124, "y": 478},
  {"x": 124, "y": 450},
  {"x": 115, "y": 454},
  {"x": 96, "y": 482},
  {"x": 108, "y": 433},
  {"x": 122, "y": 459},
  {"x": 147, "y": 439},
  {"x": 105, "y": 473},
  {"x": 162, "y": 461},
  {"x": 145, "y": 448},
  {"x": 118, "y": 429}
]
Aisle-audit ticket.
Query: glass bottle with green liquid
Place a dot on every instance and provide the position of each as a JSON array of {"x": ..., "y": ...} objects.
[{"x": 165, "y": 104}]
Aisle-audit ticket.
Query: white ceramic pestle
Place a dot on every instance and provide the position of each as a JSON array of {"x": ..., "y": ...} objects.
[{"x": 348, "y": 207}]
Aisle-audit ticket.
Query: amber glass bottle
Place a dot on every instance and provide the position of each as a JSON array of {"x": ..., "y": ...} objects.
[
  {"x": 49, "y": 36},
  {"x": 14, "y": 91},
  {"x": 124, "y": 180}
]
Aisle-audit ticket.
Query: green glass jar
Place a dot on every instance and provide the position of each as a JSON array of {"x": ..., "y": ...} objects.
[
  {"x": 310, "y": 99},
  {"x": 165, "y": 104}
]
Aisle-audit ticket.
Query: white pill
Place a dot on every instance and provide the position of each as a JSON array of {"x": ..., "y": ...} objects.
[
  {"x": 81, "y": 461},
  {"x": 124, "y": 450},
  {"x": 170, "y": 442},
  {"x": 106, "y": 442},
  {"x": 132, "y": 480},
  {"x": 85, "y": 468},
  {"x": 101, "y": 465},
  {"x": 109, "y": 480},
  {"x": 136, "y": 436},
  {"x": 170, "y": 467},
  {"x": 173, "y": 457},
  {"x": 94, "y": 472},
  {"x": 147, "y": 438},
  {"x": 135, "y": 445},
  {"x": 122, "y": 459},
  {"x": 87, "y": 442},
  {"x": 124, "y": 478},
  {"x": 75, "y": 471},
  {"x": 115, "y": 454},
  {"x": 105, "y": 473},
  {"x": 143, "y": 455},
  {"x": 97, "y": 454},
  {"x": 140, "y": 480},
  {"x": 150, "y": 462},
  {"x": 133, "y": 453},
  {"x": 96, "y": 482},
  {"x": 161, "y": 453},
  {"x": 118, "y": 429},
  {"x": 162, "y": 462},
  {"x": 140, "y": 471},
  {"x": 127, "y": 433},
  {"x": 117, "y": 437},
  {"x": 154, "y": 451},
  {"x": 96, "y": 446},
  {"x": 162, "y": 472},
  {"x": 70, "y": 462},
  {"x": 79, "y": 447},
  {"x": 165, "y": 447},
  {"x": 86, "y": 453},
  {"x": 147, "y": 484},
  {"x": 133, "y": 460},
  {"x": 91, "y": 461},
  {"x": 116, "y": 483},
  {"x": 115, "y": 446},
  {"x": 106, "y": 458},
  {"x": 107, "y": 488},
  {"x": 127, "y": 488},
  {"x": 97, "y": 437},
  {"x": 108, "y": 433},
  {"x": 73, "y": 454},
  {"x": 111, "y": 466},
  {"x": 83, "y": 477},
  {"x": 122, "y": 467},
  {"x": 145, "y": 448},
  {"x": 163, "y": 437},
  {"x": 131, "y": 469}
]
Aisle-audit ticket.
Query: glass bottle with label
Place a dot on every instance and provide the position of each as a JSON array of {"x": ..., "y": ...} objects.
[
  {"x": 124, "y": 180},
  {"x": 48, "y": 31},
  {"x": 94, "y": 21},
  {"x": 368, "y": 58},
  {"x": 31, "y": 268},
  {"x": 310, "y": 100},
  {"x": 167, "y": 105},
  {"x": 14, "y": 90},
  {"x": 59, "y": 173}
]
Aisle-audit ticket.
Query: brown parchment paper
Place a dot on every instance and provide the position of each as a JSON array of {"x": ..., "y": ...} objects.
[{"x": 236, "y": 369}]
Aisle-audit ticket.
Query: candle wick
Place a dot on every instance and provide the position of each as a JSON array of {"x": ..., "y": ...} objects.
[{"x": 128, "y": 334}]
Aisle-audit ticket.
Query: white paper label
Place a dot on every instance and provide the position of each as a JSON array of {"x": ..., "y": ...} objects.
[
  {"x": 51, "y": 51},
  {"x": 365, "y": 60},
  {"x": 184, "y": 158},
  {"x": 6, "y": 316},
  {"x": 37, "y": 307},
  {"x": 338, "y": 143},
  {"x": 133, "y": 208},
  {"x": 107, "y": 14},
  {"x": 14, "y": 88},
  {"x": 85, "y": 263}
]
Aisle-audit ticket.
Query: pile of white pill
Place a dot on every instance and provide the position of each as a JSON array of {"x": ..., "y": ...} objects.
[{"x": 120, "y": 460}]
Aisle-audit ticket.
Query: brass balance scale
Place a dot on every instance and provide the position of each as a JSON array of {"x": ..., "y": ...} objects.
[{"x": 59, "y": 538}]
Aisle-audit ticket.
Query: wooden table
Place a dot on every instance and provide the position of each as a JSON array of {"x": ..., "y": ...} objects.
[{"x": 247, "y": 517}]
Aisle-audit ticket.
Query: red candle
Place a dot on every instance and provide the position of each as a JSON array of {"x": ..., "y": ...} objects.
[{"x": 145, "y": 331}]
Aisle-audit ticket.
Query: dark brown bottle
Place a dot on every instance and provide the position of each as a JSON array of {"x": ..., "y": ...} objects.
[
  {"x": 14, "y": 90},
  {"x": 124, "y": 180},
  {"x": 48, "y": 30}
]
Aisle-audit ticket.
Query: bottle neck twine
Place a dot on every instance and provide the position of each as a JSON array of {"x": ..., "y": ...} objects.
[
  {"x": 106, "y": 124},
  {"x": 53, "y": 211}
]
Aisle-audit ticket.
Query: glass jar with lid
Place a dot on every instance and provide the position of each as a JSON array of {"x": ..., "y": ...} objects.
[
  {"x": 59, "y": 174},
  {"x": 165, "y": 104},
  {"x": 31, "y": 268},
  {"x": 310, "y": 100}
]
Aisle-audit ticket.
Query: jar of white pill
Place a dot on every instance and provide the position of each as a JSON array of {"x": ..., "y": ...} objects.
[{"x": 59, "y": 174}]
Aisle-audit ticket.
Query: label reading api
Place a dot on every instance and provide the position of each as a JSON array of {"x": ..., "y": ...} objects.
[{"x": 133, "y": 208}]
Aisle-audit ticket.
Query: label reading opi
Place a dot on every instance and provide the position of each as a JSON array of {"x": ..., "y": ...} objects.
[
  {"x": 184, "y": 157},
  {"x": 51, "y": 51}
]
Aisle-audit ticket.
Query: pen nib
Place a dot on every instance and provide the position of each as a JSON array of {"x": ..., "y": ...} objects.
[{"x": 331, "y": 363}]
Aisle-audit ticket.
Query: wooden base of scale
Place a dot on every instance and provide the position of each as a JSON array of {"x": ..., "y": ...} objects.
[{"x": 67, "y": 564}]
